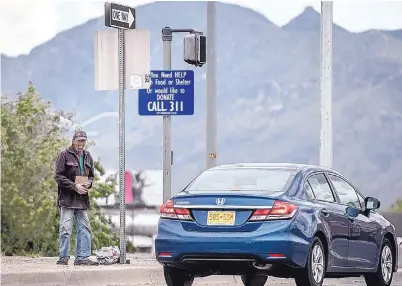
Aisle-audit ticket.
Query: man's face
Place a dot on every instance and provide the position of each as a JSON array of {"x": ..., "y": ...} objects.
[{"x": 79, "y": 144}]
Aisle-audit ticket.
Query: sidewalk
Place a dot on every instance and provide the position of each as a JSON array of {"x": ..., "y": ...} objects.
[
  {"x": 23, "y": 271},
  {"x": 17, "y": 264},
  {"x": 44, "y": 271}
]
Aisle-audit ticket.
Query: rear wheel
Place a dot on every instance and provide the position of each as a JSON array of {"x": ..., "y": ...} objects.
[
  {"x": 314, "y": 272},
  {"x": 385, "y": 268},
  {"x": 254, "y": 280},
  {"x": 177, "y": 277}
]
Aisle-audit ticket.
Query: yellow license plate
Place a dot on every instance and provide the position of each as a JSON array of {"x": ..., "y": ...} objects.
[{"x": 221, "y": 218}]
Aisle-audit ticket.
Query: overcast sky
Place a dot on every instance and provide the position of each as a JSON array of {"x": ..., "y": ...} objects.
[{"x": 25, "y": 24}]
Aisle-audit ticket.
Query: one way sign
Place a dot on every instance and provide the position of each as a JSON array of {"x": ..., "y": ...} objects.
[{"x": 119, "y": 16}]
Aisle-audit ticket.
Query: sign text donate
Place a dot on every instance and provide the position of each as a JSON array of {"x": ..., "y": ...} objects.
[{"x": 171, "y": 93}]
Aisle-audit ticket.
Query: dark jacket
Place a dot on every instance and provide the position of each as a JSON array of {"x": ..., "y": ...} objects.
[{"x": 66, "y": 168}]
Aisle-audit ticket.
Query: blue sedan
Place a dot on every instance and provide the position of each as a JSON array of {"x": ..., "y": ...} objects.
[{"x": 258, "y": 220}]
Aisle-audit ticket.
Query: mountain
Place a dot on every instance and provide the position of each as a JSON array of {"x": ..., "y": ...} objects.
[
  {"x": 395, "y": 33},
  {"x": 308, "y": 20},
  {"x": 268, "y": 94}
]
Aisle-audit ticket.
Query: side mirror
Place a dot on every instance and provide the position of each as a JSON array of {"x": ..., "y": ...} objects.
[{"x": 371, "y": 203}]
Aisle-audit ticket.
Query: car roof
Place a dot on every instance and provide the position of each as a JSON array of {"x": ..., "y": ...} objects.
[{"x": 293, "y": 166}]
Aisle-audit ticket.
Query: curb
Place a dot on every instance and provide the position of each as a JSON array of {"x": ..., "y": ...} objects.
[
  {"x": 142, "y": 271},
  {"x": 98, "y": 275},
  {"x": 88, "y": 276}
]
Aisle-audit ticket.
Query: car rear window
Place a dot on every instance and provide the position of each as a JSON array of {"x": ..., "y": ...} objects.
[{"x": 242, "y": 179}]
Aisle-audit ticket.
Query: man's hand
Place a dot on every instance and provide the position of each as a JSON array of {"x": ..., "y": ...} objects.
[
  {"x": 80, "y": 188},
  {"x": 87, "y": 185}
]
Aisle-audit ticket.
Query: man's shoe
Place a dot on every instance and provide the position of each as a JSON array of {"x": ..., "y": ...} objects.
[
  {"x": 86, "y": 262},
  {"x": 62, "y": 261}
]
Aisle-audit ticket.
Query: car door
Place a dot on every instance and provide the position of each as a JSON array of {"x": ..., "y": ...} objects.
[
  {"x": 371, "y": 229},
  {"x": 363, "y": 248},
  {"x": 333, "y": 218}
]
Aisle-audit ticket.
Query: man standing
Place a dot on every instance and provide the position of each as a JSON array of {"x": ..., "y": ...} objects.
[{"x": 73, "y": 201}]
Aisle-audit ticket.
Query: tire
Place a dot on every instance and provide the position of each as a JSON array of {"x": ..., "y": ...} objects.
[
  {"x": 386, "y": 259},
  {"x": 254, "y": 280},
  {"x": 313, "y": 276},
  {"x": 177, "y": 277}
]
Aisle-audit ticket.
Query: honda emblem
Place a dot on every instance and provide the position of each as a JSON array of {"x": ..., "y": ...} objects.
[{"x": 220, "y": 201}]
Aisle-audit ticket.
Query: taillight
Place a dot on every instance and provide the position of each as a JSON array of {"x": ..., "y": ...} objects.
[
  {"x": 280, "y": 210},
  {"x": 167, "y": 210}
]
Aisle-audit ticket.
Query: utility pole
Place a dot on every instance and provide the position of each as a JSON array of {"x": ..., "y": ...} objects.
[
  {"x": 167, "y": 120},
  {"x": 326, "y": 149},
  {"x": 194, "y": 54},
  {"x": 211, "y": 108}
]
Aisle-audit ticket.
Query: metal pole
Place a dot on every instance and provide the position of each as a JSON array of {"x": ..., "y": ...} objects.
[
  {"x": 211, "y": 120},
  {"x": 121, "y": 149},
  {"x": 133, "y": 226},
  {"x": 326, "y": 152},
  {"x": 167, "y": 120}
]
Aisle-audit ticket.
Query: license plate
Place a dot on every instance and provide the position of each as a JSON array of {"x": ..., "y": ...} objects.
[{"x": 221, "y": 218}]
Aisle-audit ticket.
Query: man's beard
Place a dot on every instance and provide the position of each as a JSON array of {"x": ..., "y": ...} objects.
[{"x": 78, "y": 148}]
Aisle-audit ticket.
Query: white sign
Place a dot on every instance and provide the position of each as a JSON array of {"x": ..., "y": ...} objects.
[
  {"x": 122, "y": 16},
  {"x": 137, "y": 59}
]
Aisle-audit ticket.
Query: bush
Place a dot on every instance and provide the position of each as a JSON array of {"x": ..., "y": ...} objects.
[{"x": 31, "y": 137}]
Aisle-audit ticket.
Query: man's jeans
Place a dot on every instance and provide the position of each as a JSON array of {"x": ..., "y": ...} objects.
[{"x": 83, "y": 246}]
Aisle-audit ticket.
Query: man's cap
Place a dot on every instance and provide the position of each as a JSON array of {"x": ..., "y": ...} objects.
[{"x": 80, "y": 135}]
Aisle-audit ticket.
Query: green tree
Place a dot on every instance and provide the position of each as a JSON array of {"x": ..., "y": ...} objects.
[{"x": 31, "y": 137}]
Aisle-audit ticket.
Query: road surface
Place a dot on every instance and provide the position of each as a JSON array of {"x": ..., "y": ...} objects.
[
  {"x": 22, "y": 271},
  {"x": 227, "y": 281}
]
